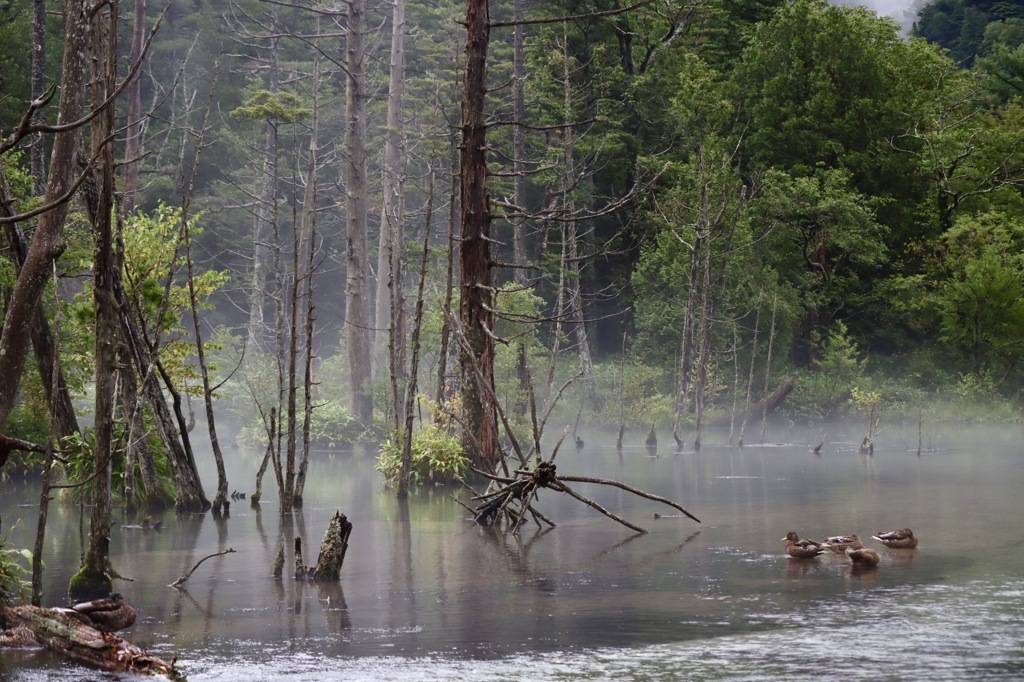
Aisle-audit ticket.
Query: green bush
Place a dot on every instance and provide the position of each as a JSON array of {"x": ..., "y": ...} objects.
[
  {"x": 14, "y": 577},
  {"x": 436, "y": 455}
]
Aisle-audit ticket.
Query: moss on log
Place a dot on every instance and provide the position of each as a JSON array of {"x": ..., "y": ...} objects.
[{"x": 56, "y": 630}]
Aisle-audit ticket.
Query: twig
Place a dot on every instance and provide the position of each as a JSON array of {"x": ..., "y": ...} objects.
[{"x": 181, "y": 581}]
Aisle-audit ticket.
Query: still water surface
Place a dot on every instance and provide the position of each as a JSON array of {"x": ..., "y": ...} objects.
[{"x": 426, "y": 594}]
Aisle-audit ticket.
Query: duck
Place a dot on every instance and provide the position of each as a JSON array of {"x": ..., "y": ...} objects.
[
  {"x": 897, "y": 539},
  {"x": 802, "y": 549},
  {"x": 863, "y": 557},
  {"x": 106, "y": 615},
  {"x": 840, "y": 543}
]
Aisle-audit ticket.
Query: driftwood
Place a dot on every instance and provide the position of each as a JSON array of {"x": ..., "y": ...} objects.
[
  {"x": 60, "y": 632},
  {"x": 514, "y": 499},
  {"x": 181, "y": 579},
  {"x": 771, "y": 403}
]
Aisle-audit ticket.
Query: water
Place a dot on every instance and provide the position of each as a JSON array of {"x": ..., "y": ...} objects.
[{"x": 427, "y": 595}]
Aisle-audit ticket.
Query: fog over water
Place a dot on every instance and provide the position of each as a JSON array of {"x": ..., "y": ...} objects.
[{"x": 427, "y": 595}]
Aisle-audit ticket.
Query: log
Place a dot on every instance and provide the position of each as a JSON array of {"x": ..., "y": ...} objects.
[
  {"x": 771, "y": 403},
  {"x": 56, "y": 630}
]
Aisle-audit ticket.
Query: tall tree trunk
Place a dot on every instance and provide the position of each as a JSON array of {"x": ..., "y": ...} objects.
[
  {"x": 358, "y": 337},
  {"x": 520, "y": 275},
  {"x": 265, "y": 222},
  {"x": 308, "y": 251},
  {"x": 58, "y": 397},
  {"x": 94, "y": 577},
  {"x": 443, "y": 346},
  {"x": 38, "y": 86},
  {"x": 47, "y": 243},
  {"x": 480, "y": 437},
  {"x": 389, "y": 253},
  {"x": 133, "y": 135}
]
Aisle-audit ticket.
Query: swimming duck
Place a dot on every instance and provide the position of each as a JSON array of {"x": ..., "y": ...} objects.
[
  {"x": 840, "y": 543},
  {"x": 802, "y": 549},
  {"x": 897, "y": 539},
  {"x": 863, "y": 557},
  {"x": 107, "y": 615}
]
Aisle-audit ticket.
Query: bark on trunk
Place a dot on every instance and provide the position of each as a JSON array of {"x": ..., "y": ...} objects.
[
  {"x": 38, "y": 85},
  {"x": 333, "y": 549},
  {"x": 358, "y": 337},
  {"x": 105, "y": 269},
  {"x": 61, "y": 410},
  {"x": 763, "y": 408},
  {"x": 47, "y": 243},
  {"x": 68, "y": 636},
  {"x": 133, "y": 134},
  {"x": 392, "y": 214},
  {"x": 480, "y": 437}
]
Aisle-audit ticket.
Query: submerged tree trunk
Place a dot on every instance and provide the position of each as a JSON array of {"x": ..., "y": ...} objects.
[
  {"x": 94, "y": 578},
  {"x": 480, "y": 438}
]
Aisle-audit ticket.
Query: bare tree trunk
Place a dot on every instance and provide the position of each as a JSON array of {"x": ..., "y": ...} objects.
[
  {"x": 133, "y": 138},
  {"x": 358, "y": 337},
  {"x": 38, "y": 86},
  {"x": 442, "y": 360},
  {"x": 414, "y": 365},
  {"x": 265, "y": 222},
  {"x": 520, "y": 275},
  {"x": 47, "y": 243},
  {"x": 308, "y": 249},
  {"x": 93, "y": 578},
  {"x": 389, "y": 252},
  {"x": 768, "y": 366},
  {"x": 480, "y": 438}
]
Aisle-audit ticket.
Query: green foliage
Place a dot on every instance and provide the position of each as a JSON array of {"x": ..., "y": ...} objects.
[
  {"x": 332, "y": 425},
  {"x": 282, "y": 107},
  {"x": 15, "y": 578},
  {"x": 981, "y": 293},
  {"x": 436, "y": 455}
]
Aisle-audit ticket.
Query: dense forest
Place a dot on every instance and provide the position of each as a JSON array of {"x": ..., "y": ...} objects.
[{"x": 320, "y": 221}]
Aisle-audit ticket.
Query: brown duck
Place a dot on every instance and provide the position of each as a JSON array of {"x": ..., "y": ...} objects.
[
  {"x": 802, "y": 549},
  {"x": 840, "y": 543},
  {"x": 107, "y": 615},
  {"x": 863, "y": 557},
  {"x": 897, "y": 539}
]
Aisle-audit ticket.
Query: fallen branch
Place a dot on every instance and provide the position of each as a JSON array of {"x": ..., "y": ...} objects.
[{"x": 181, "y": 581}]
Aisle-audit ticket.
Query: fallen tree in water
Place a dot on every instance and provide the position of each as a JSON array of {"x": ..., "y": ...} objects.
[
  {"x": 511, "y": 502},
  {"x": 56, "y": 629}
]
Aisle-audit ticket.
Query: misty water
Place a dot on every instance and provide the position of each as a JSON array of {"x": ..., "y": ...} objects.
[{"x": 426, "y": 594}]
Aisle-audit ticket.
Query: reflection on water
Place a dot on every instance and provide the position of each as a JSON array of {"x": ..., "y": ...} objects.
[{"x": 427, "y": 595}]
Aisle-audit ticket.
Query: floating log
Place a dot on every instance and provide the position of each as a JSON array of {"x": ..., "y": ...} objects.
[{"x": 56, "y": 630}]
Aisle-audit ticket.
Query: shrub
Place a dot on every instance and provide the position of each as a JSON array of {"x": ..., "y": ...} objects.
[{"x": 436, "y": 454}]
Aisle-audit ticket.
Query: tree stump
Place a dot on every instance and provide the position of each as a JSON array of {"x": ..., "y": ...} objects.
[
  {"x": 332, "y": 549},
  {"x": 60, "y": 632}
]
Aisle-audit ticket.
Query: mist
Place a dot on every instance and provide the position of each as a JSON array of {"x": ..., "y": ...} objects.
[{"x": 903, "y": 12}]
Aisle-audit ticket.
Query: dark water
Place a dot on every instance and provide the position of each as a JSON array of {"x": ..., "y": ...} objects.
[{"x": 427, "y": 595}]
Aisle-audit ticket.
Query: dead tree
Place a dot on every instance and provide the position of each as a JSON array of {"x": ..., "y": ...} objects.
[{"x": 56, "y": 630}]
